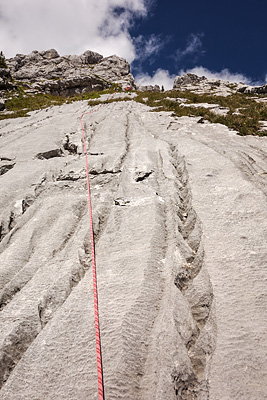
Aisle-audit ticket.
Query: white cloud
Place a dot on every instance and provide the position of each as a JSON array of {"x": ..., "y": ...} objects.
[
  {"x": 71, "y": 26},
  {"x": 161, "y": 77},
  {"x": 225, "y": 74},
  {"x": 147, "y": 47},
  {"x": 193, "y": 48}
]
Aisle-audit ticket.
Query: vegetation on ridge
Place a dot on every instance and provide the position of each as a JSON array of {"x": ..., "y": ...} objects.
[
  {"x": 244, "y": 114},
  {"x": 20, "y": 104}
]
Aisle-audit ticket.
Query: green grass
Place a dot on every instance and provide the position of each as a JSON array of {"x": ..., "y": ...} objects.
[{"x": 21, "y": 104}]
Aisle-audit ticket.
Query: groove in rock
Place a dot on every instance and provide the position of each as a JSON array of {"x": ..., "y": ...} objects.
[{"x": 188, "y": 385}]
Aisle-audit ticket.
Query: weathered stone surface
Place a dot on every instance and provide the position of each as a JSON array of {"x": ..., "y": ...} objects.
[
  {"x": 49, "y": 54},
  {"x": 68, "y": 75},
  {"x": 115, "y": 69},
  {"x": 179, "y": 212}
]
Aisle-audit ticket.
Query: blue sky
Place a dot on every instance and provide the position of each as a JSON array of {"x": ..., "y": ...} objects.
[
  {"x": 161, "y": 39},
  {"x": 228, "y": 35}
]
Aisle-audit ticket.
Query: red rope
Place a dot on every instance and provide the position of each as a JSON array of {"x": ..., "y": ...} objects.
[{"x": 97, "y": 330}]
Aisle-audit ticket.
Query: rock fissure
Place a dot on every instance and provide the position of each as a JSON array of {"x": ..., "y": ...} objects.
[{"x": 199, "y": 298}]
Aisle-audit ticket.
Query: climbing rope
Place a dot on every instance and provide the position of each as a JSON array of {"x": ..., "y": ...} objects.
[{"x": 97, "y": 329}]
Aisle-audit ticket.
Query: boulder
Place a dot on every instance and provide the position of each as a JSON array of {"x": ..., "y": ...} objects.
[
  {"x": 91, "y": 57},
  {"x": 49, "y": 54},
  {"x": 187, "y": 79},
  {"x": 149, "y": 88}
]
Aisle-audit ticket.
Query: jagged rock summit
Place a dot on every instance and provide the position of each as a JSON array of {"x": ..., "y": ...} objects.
[
  {"x": 47, "y": 71},
  {"x": 201, "y": 84}
]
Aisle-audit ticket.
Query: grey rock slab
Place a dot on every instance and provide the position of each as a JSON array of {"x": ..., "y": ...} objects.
[
  {"x": 179, "y": 213},
  {"x": 229, "y": 196},
  {"x": 236, "y": 259}
]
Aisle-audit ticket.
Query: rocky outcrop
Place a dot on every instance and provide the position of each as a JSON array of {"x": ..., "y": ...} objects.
[
  {"x": 149, "y": 88},
  {"x": 253, "y": 89},
  {"x": 116, "y": 70},
  {"x": 188, "y": 79},
  {"x": 48, "y": 72},
  {"x": 201, "y": 84}
]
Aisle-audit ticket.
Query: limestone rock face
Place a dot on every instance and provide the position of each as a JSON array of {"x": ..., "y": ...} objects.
[
  {"x": 49, "y": 72},
  {"x": 115, "y": 69},
  {"x": 180, "y": 222}
]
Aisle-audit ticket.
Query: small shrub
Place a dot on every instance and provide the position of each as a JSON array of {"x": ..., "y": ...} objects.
[{"x": 2, "y": 60}]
